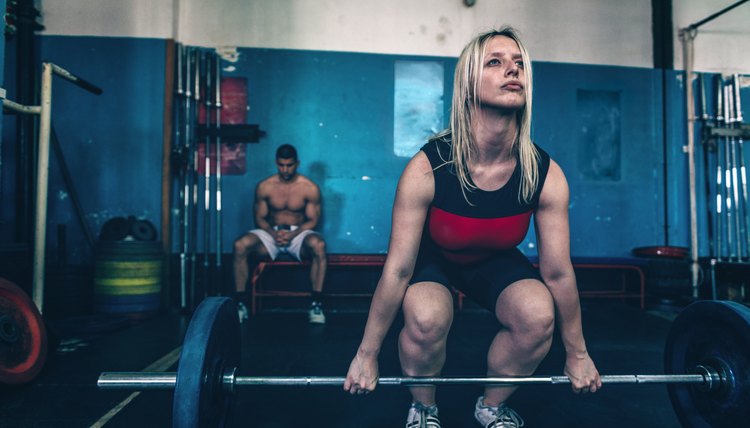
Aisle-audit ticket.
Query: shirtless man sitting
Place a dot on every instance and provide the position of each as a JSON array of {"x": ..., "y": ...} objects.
[{"x": 287, "y": 209}]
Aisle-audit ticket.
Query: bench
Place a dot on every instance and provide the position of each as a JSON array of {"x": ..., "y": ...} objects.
[
  {"x": 258, "y": 291},
  {"x": 628, "y": 268}
]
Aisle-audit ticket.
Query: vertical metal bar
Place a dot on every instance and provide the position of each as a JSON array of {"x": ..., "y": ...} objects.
[
  {"x": 743, "y": 174},
  {"x": 687, "y": 49},
  {"x": 194, "y": 175},
  {"x": 218, "y": 167},
  {"x": 728, "y": 181},
  {"x": 185, "y": 185},
  {"x": 735, "y": 182},
  {"x": 207, "y": 174},
  {"x": 706, "y": 170},
  {"x": 40, "y": 229},
  {"x": 720, "y": 212}
]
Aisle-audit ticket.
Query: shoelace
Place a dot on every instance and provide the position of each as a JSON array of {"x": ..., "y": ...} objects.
[
  {"x": 506, "y": 415},
  {"x": 424, "y": 412}
]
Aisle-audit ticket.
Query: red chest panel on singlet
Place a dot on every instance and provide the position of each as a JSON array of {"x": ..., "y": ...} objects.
[
  {"x": 495, "y": 220},
  {"x": 453, "y": 232}
]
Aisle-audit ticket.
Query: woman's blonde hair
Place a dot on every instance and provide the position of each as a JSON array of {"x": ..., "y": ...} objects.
[{"x": 466, "y": 87}]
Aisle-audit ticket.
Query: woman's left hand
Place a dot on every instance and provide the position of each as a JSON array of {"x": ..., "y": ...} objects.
[{"x": 583, "y": 375}]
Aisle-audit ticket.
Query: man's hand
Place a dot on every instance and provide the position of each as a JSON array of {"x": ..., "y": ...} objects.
[
  {"x": 363, "y": 375},
  {"x": 582, "y": 372},
  {"x": 283, "y": 237}
]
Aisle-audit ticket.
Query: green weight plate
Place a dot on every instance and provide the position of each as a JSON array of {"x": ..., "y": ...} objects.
[
  {"x": 131, "y": 290},
  {"x": 211, "y": 346},
  {"x": 717, "y": 334}
]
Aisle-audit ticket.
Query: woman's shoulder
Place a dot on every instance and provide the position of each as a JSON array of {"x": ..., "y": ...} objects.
[{"x": 438, "y": 150}]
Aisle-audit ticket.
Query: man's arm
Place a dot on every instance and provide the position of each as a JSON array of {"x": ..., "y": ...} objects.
[
  {"x": 260, "y": 208},
  {"x": 312, "y": 210}
]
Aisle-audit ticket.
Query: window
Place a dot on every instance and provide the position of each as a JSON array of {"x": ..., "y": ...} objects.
[{"x": 418, "y": 104}]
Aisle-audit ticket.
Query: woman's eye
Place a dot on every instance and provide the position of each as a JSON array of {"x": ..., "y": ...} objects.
[
  {"x": 493, "y": 61},
  {"x": 519, "y": 64}
]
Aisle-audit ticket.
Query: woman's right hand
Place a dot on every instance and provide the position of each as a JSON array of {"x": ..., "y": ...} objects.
[{"x": 363, "y": 375}]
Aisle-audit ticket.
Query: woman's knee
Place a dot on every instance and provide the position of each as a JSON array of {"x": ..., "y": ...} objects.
[
  {"x": 530, "y": 316},
  {"x": 427, "y": 319}
]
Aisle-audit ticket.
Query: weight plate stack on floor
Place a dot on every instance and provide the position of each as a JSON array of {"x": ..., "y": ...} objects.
[{"x": 127, "y": 277}]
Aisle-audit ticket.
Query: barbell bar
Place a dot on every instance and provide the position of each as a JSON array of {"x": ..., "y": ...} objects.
[
  {"x": 710, "y": 378},
  {"x": 706, "y": 358}
]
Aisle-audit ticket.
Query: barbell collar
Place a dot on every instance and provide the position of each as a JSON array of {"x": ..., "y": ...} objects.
[{"x": 167, "y": 380}]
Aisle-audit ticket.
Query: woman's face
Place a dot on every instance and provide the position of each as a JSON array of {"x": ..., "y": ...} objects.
[{"x": 502, "y": 81}]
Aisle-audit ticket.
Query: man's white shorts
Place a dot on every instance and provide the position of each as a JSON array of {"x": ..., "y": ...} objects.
[{"x": 294, "y": 247}]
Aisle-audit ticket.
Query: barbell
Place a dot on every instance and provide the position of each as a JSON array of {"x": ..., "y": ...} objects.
[{"x": 706, "y": 360}]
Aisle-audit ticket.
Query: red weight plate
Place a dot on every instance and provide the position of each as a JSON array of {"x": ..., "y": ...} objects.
[
  {"x": 662, "y": 251},
  {"x": 23, "y": 337}
]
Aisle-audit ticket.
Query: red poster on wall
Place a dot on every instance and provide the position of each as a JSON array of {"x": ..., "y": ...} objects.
[{"x": 233, "y": 112}]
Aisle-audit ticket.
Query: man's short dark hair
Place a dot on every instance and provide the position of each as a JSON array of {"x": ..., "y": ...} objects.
[{"x": 286, "y": 151}]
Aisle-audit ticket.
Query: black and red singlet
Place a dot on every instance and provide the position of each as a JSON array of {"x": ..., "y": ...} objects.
[{"x": 466, "y": 233}]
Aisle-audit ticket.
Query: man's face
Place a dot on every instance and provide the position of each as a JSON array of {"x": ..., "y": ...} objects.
[{"x": 287, "y": 168}]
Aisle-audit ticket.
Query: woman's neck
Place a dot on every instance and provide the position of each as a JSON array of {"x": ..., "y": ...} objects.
[{"x": 494, "y": 135}]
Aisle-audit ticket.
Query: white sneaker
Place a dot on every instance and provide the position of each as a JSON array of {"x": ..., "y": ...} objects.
[
  {"x": 501, "y": 416},
  {"x": 316, "y": 315},
  {"x": 422, "y": 416},
  {"x": 242, "y": 312}
]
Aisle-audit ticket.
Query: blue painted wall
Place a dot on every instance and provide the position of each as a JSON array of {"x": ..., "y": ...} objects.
[
  {"x": 112, "y": 142},
  {"x": 337, "y": 108}
]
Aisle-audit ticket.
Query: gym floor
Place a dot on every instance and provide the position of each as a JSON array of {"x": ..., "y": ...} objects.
[{"x": 622, "y": 338}]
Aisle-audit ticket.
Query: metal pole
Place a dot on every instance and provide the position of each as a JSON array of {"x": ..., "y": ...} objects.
[
  {"x": 168, "y": 380},
  {"x": 207, "y": 177},
  {"x": 42, "y": 180},
  {"x": 194, "y": 177},
  {"x": 687, "y": 37},
  {"x": 715, "y": 15},
  {"x": 704, "y": 117},
  {"x": 719, "y": 171},
  {"x": 728, "y": 180},
  {"x": 185, "y": 185},
  {"x": 218, "y": 106},
  {"x": 738, "y": 119}
]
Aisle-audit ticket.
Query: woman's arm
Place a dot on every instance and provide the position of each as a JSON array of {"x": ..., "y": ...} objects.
[
  {"x": 553, "y": 238},
  {"x": 413, "y": 197}
]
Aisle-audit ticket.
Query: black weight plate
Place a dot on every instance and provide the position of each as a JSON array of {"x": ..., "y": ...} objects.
[
  {"x": 23, "y": 341},
  {"x": 716, "y": 333},
  {"x": 211, "y": 346},
  {"x": 115, "y": 229},
  {"x": 143, "y": 230}
]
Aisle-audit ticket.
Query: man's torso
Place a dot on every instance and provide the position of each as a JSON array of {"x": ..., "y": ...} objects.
[{"x": 287, "y": 201}]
